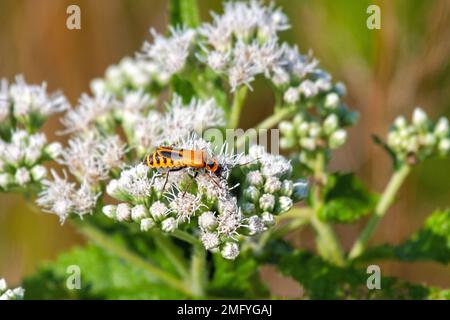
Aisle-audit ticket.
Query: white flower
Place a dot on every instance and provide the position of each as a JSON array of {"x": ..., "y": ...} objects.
[
  {"x": 442, "y": 127},
  {"x": 255, "y": 225},
  {"x": 230, "y": 250},
  {"x": 292, "y": 95},
  {"x": 147, "y": 224},
  {"x": 54, "y": 149},
  {"x": 272, "y": 185},
  {"x": 229, "y": 218},
  {"x": 419, "y": 117},
  {"x": 22, "y": 176},
  {"x": 139, "y": 212},
  {"x": 183, "y": 204},
  {"x": 84, "y": 200},
  {"x": 10, "y": 294},
  {"x": 28, "y": 98},
  {"x": 285, "y": 204},
  {"x": 38, "y": 172},
  {"x": 267, "y": 202},
  {"x": 110, "y": 211},
  {"x": 4, "y": 100},
  {"x": 332, "y": 100},
  {"x": 169, "y": 225},
  {"x": 90, "y": 110},
  {"x": 207, "y": 221},
  {"x": 255, "y": 178},
  {"x": 123, "y": 212},
  {"x": 210, "y": 240},
  {"x": 444, "y": 145},
  {"x": 268, "y": 218},
  {"x": 6, "y": 179},
  {"x": 331, "y": 123},
  {"x": 158, "y": 210},
  {"x": 172, "y": 52},
  {"x": 338, "y": 138}
]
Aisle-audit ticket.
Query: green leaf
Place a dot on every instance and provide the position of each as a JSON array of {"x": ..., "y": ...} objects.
[
  {"x": 346, "y": 199},
  {"x": 184, "y": 13},
  {"x": 432, "y": 242},
  {"x": 322, "y": 280},
  {"x": 103, "y": 276},
  {"x": 236, "y": 279}
]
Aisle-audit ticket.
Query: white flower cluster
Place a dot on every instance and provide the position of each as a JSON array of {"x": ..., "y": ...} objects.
[
  {"x": 61, "y": 197},
  {"x": 169, "y": 53},
  {"x": 204, "y": 201},
  {"x": 10, "y": 294},
  {"x": 21, "y": 159},
  {"x": 130, "y": 74},
  {"x": 312, "y": 131},
  {"x": 177, "y": 123},
  {"x": 28, "y": 105},
  {"x": 91, "y": 157},
  {"x": 420, "y": 139}
]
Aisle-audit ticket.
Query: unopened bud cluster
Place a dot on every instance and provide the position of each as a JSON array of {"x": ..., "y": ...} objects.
[
  {"x": 419, "y": 139},
  {"x": 318, "y": 131},
  {"x": 10, "y": 294}
]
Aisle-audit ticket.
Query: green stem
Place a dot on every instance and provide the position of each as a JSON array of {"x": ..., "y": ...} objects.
[
  {"x": 387, "y": 198},
  {"x": 184, "y": 13},
  {"x": 271, "y": 121},
  {"x": 198, "y": 271},
  {"x": 327, "y": 242},
  {"x": 102, "y": 240},
  {"x": 184, "y": 236},
  {"x": 236, "y": 108},
  {"x": 173, "y": 253}
]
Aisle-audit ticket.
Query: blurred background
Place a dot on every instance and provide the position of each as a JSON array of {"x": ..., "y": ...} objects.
[{"x": 387, "y": 72}]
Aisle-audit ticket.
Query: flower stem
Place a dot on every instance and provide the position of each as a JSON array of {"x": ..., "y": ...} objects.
[
  {"x": 198, "y": 271},
  {"x": 173, "y": 253},
  {"x": 185, "y": 237},
  {"x": 102, "y": 240},
  {"x": 236, "y": 108},
  {"x": 383, "y": 204},
  {"x": 327, "y": 243}
]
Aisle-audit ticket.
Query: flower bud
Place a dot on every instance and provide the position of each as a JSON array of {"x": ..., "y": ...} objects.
[
  {"x": 255, "y": 178},
  {"x": 286, "y": 127},
  {"x": 54, "y": 150},
  {"x": 158, "y": 210},
  {"x": 400, "y": 122},
  {"x": 248, "y": 207},
  {"x": 292, "y": 95},
  {"x": 38, "y": 172},
  {"x": 123, "y": 212},
  {"x": 147, "y": 224},
  {"x": 22, "y": 176},
  {"x": 255, "y": 225},
  {"x": 331, "y": 123},
  {"x": 252, "y": 194},
  {"x": 301, "y": 189},
  {"x": 284, "y": 204},
  {"x": 267, "y": 202},
  {"x": 210, "y": 240},
  {"x": 287, "y": 187},
  {"x": 110, "y": 211},
  {"x": 442, "y": 127},
  {"x": 332, "y": 100},
  {"x": 139, "y": 212},
  {"x": 419, "y": 117},
  {"x": 207, "y": 221},
  {"x": 444, "y": 146},
  {"x": 272, "y": 185},
  {"x": 6, "y": 179},
  {"x": 230, "y": 250},
  {"x": 168, "y": 225},
  {"x": 338, "y": 138},
  {"x": 268, "y": 218}
]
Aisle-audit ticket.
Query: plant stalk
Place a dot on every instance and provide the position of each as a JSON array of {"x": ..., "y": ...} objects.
[
  {"x": 198, "y": 271},
  {"x": 172, "y": 253},
  {"x": 102, "y": 240},
  {"x": 236, "y": 108},
  {"x": 387, "y": 198}
]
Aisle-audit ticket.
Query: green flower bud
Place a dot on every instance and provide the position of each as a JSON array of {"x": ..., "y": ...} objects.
[{"x": 252, "y": 194}]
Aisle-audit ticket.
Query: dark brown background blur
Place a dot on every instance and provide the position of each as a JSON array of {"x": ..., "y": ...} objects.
[{"x": 387, "y": 72}]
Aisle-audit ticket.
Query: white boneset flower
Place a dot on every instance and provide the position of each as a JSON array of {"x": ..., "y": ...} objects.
[
  {"x": 252, "y": 194},
  {"x": 229, "y": 218},
  {"x": 22, "y": 176},
  {"x": 110, "y": 211},
  {"x": 332, "y": 100},
  {"x": 147, "y": 224},
  {"x": 207, "y": 220},
  {"x": 400, "y": 122},
  {"x": 169, "y": 225},
  {"x": 172, "y": 52},
  {"x": 268, "y": 218},
  {"x": 287, "y": 188},
  {"x": 210, "y": 240},
  {"x": 158, "y": 210},
  {"x": 419, "y": 117},
  {"x": 272, "y": 185},
  {"x": 255, "y": 178},
  {"x": 123, "y": 212},
  {"x": 255, "y": 225},
  {"x": 6, "y": 179},
  {"x": 3, "y": 285},
  {"x": 54, "y": 150},
  {"x": 442, "y": 127},
  {"x": 267, "y": 202},
  {"x": 38, "y": 172},
  {"x": 139, "y": 212},
  {"x": 230, "y": 250},
  {"x": 444, "y": 145},
  {"x": 337, "y": 138},
  {"x": 284, "y": 204},
  {"x": 292, "y": 95},
  {"x": 84, "y": 200},
  {"x": 184, "y": 204},
  {"x": 331, "y": 123}
]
